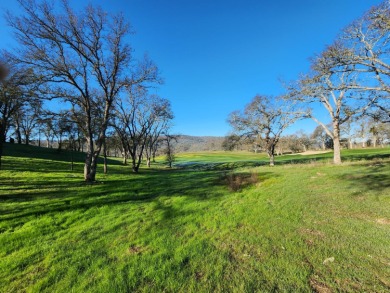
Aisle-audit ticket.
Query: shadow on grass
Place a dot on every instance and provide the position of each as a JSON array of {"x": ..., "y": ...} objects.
[
  {"x": 377, "y": 180},
  {"x": 220, "y": 166},
  {"x": 47, "y": 158},
  {"x": 44, "y": 197},
  {"x": 348, "y": 156},
  {"x": 367, "y": 157}
]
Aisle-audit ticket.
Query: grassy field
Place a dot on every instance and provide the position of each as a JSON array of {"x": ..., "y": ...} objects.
[{"x": 301, "y": 226}]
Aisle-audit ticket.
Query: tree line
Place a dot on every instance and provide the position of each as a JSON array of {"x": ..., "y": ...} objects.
[
  {"x": 84, "y": 60},
  {"x": 349, "y": 80}
]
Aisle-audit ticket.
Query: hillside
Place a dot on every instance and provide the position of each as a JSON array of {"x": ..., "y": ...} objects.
[{"x": 187, "y": 143}]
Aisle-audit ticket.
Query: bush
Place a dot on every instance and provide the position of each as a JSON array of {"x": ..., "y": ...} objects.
[{"x": 237, "y": 181}]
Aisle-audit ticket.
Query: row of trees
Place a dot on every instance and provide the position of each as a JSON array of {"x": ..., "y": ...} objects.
[
  {"x": 349, "y": 80},
  {"x": 83, "y": 59},
  {"x": 365, "y": 132}
]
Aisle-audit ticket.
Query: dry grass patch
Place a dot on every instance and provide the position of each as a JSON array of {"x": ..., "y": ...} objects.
[
  {"x": 383, "y": 221},
  {"x": 319, "y": 287}
]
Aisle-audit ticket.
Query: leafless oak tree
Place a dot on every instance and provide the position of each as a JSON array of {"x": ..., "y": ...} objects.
[
  {"x": 338, "y": 88},
  {"x": 17, "y": 89},
  {"x": 367, "y": 43},
  {"x": 264, "y": 119},
  {"x": 138, "y": 121}
]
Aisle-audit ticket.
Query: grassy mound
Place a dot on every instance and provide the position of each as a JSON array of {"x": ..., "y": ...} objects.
[{"x": 296, "y": 227}]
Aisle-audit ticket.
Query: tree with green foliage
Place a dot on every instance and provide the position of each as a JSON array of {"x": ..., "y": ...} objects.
[{"x": 231, "y": 142}]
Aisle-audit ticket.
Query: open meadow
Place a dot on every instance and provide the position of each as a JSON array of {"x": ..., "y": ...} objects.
[{"x": 217, "y": 222}]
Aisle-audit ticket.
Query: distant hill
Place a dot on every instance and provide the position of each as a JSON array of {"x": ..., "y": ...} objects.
[{"x": 187, "y": 143}]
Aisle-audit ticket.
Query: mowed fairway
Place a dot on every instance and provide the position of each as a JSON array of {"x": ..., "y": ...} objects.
[{"x": 306, "y": 226}]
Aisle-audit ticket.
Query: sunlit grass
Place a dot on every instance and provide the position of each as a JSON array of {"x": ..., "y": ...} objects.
[{"x": 184, "y": 230}]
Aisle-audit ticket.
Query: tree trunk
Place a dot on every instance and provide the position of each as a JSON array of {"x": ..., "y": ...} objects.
[
  {"x": 18, "y": 134},
  {"x": 105, "y": 169},
  {"x": 139, "y": 159},
  {"x": 148, "y": 162},
  {"x": 90, "y": 167},
  {"x": 134, "y": 165},
  {"x": 271, "y": 155},
  {"x": 105, "y": 157},
  {"x": 91, "y": 159},
  {"x": 272, "y": 160},
  {"x": 350, "y": 145},
  {"x": 60, "y": 144},
  {"x": 124, "y": 157},
  {"x": 135, "y": 168},
  {"x": 336, "y": 144},
  {"x": 71, "y": 160}
]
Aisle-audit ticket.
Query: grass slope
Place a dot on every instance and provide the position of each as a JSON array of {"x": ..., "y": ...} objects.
[{"x": 303, "y": 227}]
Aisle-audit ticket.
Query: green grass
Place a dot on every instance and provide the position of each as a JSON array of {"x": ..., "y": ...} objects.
[{"x": 183, "y": 230}]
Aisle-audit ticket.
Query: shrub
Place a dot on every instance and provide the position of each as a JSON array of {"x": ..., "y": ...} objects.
[{"x": 237, "y": 181}]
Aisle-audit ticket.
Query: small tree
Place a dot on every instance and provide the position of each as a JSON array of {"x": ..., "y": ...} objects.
[
  {"x": 170, "y": 149},
  {"x": 162, "y": 124},
  {"x": 264, "y": 119}
]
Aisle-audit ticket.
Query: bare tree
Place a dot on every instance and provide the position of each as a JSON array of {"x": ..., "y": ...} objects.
[
  {"x": 160, "y": 126},
  {"x": 366, "y": 47},
  {"x": 26, "y": 119},
  {"x": 320, "y": 136},
  {"x": 169, "y": 151},
  {"x": 135, "y": 120},
  {"x": 338, "y": 88},
  {"x": 46, "y": 121},
  {"x": 264, "y": 119},
  {"x": 85, "y": 60},
  {"x": 17, "y": 88}
]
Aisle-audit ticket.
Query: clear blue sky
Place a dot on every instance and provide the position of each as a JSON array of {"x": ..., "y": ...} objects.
[{"x": 216, "y": 55}]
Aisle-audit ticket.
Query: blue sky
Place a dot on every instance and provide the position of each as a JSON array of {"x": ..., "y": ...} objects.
[{"x": 215, "y": 56}]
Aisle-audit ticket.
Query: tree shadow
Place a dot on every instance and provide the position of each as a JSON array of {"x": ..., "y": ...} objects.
[
  {"x": 377, "y": 180},
  {"x": 366, "y": 156},
  {"x": 43, "y": 197},
  {"x": 41, "y": 159}
]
